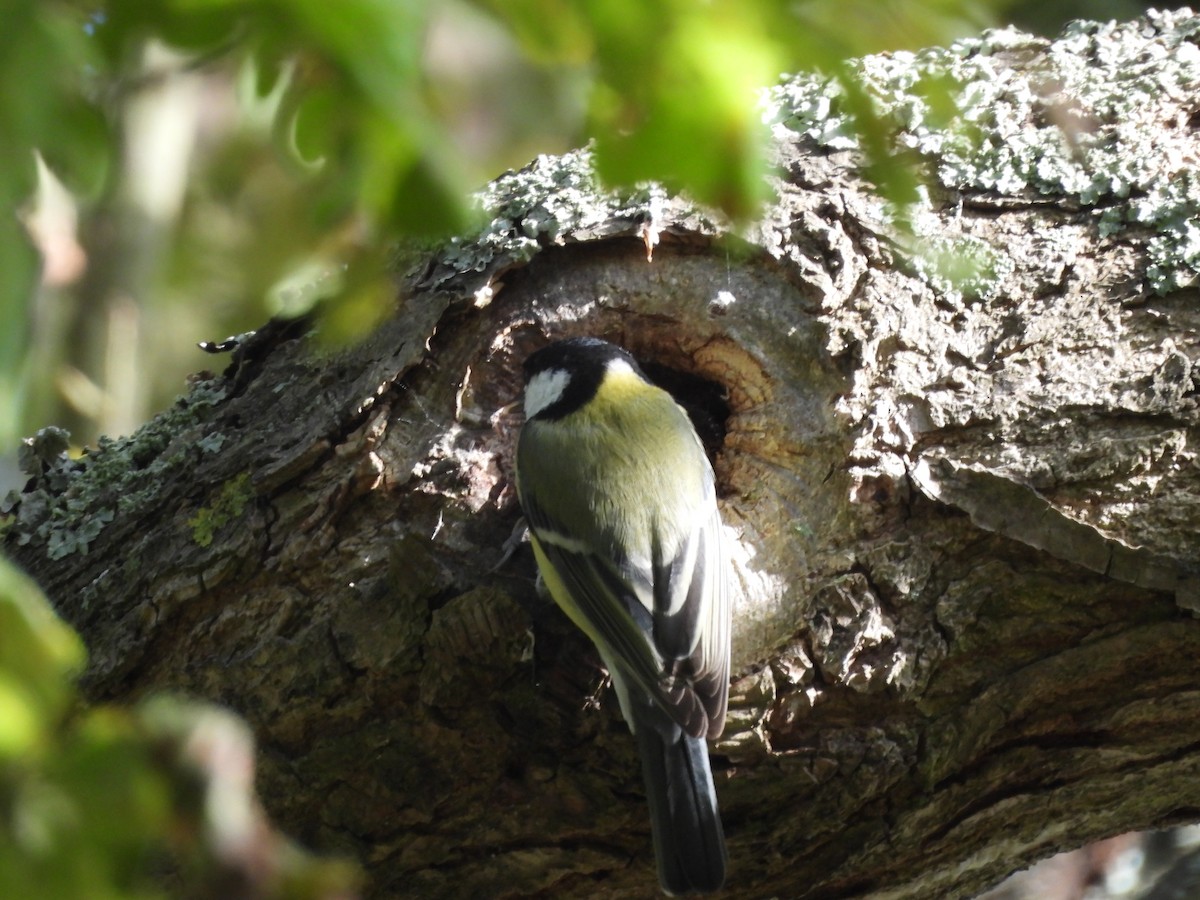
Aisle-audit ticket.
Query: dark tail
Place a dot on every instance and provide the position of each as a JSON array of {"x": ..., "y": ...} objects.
[{"x": 689, "y": 844}]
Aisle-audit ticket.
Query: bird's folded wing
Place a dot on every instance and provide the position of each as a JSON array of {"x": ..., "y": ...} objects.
[
  {"x": 691, "y": 620},
  {"x": 607, "y": 608},
  {"x": 679, "y": 658}
]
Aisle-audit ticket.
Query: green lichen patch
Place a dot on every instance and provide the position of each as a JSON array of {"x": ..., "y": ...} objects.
[
  {"x": 69, "y": 502},
  {"x": 230, "y": 503},
  {"x": 1093, "y": 116}
]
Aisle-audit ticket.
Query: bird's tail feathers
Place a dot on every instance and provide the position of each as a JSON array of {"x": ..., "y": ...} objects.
[{"x": 689, "y": 843}]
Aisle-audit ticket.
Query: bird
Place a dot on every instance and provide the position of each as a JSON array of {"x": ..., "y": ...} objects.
[{"x": 620, "y": 500}]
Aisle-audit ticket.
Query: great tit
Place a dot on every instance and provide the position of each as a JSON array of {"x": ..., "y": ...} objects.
[{"x": 622, "y": 509}]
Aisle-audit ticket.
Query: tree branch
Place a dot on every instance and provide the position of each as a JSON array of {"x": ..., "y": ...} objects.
[{"x": 955, "y": 460}]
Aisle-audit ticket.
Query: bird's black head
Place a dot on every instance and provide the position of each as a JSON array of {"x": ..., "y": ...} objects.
[
  {"x": 563, "y": 376},
  {"x": 575, "y": 355}
]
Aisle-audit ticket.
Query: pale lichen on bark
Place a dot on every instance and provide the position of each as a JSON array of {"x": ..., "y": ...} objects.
[{"x": 1098, "y": 123}]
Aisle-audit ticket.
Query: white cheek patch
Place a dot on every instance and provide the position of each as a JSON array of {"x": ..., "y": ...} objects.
[
  {"x": 618, "y": 365},
  {"x": 545, "y": 389}
]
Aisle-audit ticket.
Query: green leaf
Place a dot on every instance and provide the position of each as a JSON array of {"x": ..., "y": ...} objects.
[
  {"x": 692, "y": 118},
  {"x": 39, "y": 655},
  {"x": 20, "y": 719},
  {"x": 552, "y": 32}
]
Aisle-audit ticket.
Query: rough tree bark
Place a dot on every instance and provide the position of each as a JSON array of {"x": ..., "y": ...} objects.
[{"x": 962, "y": 507}]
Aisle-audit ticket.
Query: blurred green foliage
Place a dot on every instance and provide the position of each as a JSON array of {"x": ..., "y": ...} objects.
[
  {"x": 108, "y": 802},
  {"x": 38, "y": 657},
  {"x": 188, "y": 168}
]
